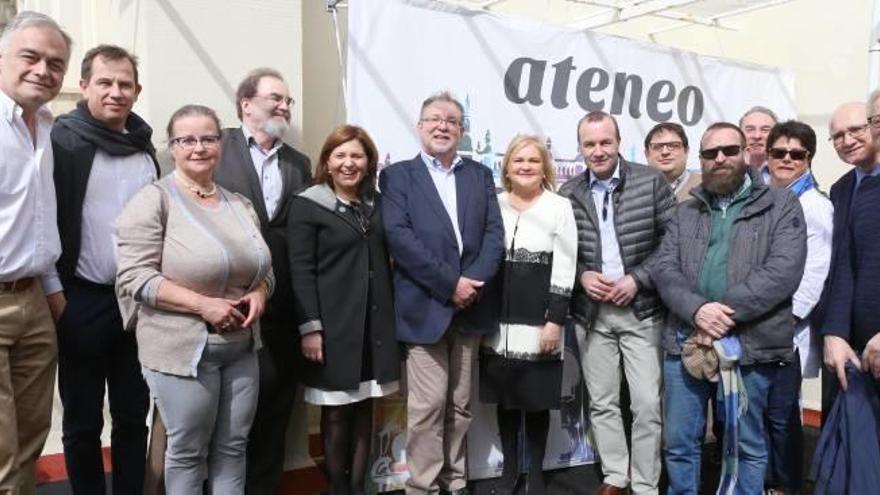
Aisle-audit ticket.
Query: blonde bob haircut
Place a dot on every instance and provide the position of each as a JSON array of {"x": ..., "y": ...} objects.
[{"x": 519, "y": 142}]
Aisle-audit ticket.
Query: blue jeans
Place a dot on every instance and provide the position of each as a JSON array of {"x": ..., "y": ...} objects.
[
  {"x": 685, "y": 424},
  {"x": 784, "y": 430}
]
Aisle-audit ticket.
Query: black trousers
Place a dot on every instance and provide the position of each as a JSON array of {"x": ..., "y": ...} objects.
[
  {"x": 266, "y": 444},
  {"x": 94, "y": 351}
]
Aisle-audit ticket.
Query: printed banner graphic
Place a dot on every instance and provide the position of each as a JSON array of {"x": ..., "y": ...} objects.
[{"x": 514, "y": 76}]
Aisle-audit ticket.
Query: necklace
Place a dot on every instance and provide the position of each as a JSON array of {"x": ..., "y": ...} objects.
[{"x": 195, "y": 189}]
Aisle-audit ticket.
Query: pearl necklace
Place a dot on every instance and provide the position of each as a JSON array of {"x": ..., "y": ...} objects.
[{"x": 195, "y": 189}]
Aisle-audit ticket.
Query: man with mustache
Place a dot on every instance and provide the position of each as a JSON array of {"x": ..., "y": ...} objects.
[
  {"x": 730, "y": 261},
  {"x": 756, "y": 124},
  {"x": 258, "y": 164},
  {"x": 103, "y": 156},
  {"x": 845, "y": 316},
  {"x": 34, "y": 52},
  {"x": 666, "y": 149},
  {"x": 621, "y": 209}
]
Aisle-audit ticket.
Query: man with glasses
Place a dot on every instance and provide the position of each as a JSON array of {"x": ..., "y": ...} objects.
[
  {"x": 445, "y": 233},
  {"x": 727, "y": 267},
  {"x": 258, "y": 164},
  {"x": 666, "y": 149},
  {"x": 847, "y": 316},
  {"x": 756, "y": 124},
  {"x": 621, "y": 209},
  {"x": 103, "y": 156}
]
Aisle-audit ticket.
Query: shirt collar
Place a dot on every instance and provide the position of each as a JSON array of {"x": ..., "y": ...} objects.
[
  {"x": 681, "y": 179},
  {"x": 9, "y": 109},
  {"x": 609, "y": 182},
  {"x": 249, "y": 137},
  {"x": 434, "y": 163},
  {"x": 861, "y": 174}
]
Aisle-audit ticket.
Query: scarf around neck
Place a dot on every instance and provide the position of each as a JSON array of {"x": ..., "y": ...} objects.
[{"x": 137, "y": 140}]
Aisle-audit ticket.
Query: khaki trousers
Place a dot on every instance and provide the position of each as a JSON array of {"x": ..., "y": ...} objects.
[
  {"x": 438, "y": 412},
  {"x": 28, "y": 351},
  {"x": 615, "y": 333}
]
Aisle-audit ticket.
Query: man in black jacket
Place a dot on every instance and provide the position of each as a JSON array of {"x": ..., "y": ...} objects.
[
  {"x": 103, "y": 155},
  {"x": 621, "y": 209},
  {"x": 257, "y": 163}
]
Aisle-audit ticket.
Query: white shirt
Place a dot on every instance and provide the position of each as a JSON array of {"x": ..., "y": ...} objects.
[
  {"x": 112, "y": 182},
  {"x": 268, "y": 170},
  {"x": 602, "y": 192},
  {"x": 29, "y": 243},
  {"x": 444, "y": 181},
  {"x": 819, "y": 217}
]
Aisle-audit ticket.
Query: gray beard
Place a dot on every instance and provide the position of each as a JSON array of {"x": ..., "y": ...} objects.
[{"x": 275, "y": 127}]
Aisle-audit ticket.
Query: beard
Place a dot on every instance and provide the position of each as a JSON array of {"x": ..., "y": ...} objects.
[
  {"x": 724, "y": 184},
  {"x": 275, "y": 127}
]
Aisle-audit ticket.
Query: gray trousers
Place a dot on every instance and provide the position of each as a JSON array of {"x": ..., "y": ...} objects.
[
  {"x": 207, "y": 419},
  {"x": 617, "y": 334}
]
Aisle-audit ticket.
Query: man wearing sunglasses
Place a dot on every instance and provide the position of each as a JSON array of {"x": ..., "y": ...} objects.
[
  {"x": 258, "y": 164},
  {"x": 728, "y": 265},
  {"x": 666, "y": 149},
  {"x": 621, "y": 209},
  {"x": 847, "y": 316}
]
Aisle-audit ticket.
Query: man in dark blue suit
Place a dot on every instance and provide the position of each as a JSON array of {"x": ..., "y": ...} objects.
[
  {"x": 841, "y": 317},
  {"x": 445, "y": 234}
]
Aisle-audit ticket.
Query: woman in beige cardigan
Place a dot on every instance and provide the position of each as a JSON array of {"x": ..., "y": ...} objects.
[{"x": 194, "y": 275}]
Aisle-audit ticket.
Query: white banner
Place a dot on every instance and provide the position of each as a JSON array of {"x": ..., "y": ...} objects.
[{"x": 516, "y": 76}]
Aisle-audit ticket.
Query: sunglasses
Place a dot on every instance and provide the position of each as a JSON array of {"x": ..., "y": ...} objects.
[
  {"x": 712, "y": 153},
  {"x": 795, "y": 154}
]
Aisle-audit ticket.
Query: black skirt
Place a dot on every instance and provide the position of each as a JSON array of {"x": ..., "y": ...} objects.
[{"x": 520, "y": 384}]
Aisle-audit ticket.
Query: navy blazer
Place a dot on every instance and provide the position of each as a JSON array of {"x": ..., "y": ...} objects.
[{"x": 422, "y": 242}]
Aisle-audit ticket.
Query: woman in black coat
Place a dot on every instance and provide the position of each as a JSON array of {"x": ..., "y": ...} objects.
[{"x": 342, "y": 289}]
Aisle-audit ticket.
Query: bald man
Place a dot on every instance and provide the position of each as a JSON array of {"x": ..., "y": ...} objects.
[{"x": 841, "y": 319}]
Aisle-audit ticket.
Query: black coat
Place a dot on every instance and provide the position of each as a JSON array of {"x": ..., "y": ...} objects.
[
  {"x": 236, "y": 173},
  {"x": 342, "y": 283}
]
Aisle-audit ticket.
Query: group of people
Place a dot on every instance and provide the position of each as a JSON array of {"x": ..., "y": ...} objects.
[{"x": 214, "y": 290}]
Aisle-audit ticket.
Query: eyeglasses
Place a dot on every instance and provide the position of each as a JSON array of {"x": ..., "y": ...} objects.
[
  {"x": 874, "y": 120},
  {"x": 277, "y": 99},
  {"x": 855, "y": 132},
  {"x": 712, "y": 153},
  {"x": 190, "y": 142},
  {"x": 795, "y": 154},
  {"x": 671, "y": 146},
  {"x": 436, "y": 121}
]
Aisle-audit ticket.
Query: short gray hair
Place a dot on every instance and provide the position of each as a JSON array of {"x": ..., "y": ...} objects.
[
  {"x": 444, "y": 96},
  {"x": 29, "y": 18},
  {"x": 874, "y": 96},
  {"x": 759, "y": 109}
]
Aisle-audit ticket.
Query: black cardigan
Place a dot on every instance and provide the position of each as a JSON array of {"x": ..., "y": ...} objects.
[
  {"x": 73, "y": 157},
  {"x": 341, "y": 278}
]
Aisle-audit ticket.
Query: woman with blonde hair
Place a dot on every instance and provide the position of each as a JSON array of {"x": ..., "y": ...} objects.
[{"x": 521, "y": 365}]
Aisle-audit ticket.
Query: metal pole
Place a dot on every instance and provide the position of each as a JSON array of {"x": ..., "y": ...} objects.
[
  {"x": 874, "y": 49},
  {"x": 332, "y": 6}
]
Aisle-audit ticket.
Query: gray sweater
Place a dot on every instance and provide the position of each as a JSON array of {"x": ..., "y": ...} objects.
[{"x": 164, "y": 235}]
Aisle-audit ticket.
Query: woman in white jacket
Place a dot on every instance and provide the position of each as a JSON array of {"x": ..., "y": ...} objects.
[{"x": 791, "y": 146}]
